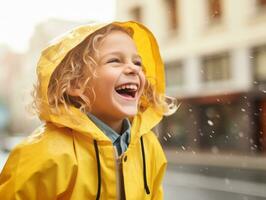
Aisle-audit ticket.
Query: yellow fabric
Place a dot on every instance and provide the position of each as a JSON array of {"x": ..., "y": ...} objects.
[{"x": 58, "y": 161}]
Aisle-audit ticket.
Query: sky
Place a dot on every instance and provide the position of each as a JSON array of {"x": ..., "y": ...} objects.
[{"x": 18, "y": 17}]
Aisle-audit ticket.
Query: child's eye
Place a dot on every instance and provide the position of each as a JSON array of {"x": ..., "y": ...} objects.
[
  {"x": 138, "y": 63},
  {"x": 113, "y": 60}
]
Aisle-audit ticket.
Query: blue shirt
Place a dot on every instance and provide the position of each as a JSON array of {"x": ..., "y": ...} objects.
[{"x": 121, "y": 142}]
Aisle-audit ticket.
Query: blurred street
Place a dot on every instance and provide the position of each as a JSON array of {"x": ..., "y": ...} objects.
[{"x": 188, "y": 182}]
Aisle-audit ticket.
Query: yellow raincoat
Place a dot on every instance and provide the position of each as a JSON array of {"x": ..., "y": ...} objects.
[{"x": 70, "y": 158}]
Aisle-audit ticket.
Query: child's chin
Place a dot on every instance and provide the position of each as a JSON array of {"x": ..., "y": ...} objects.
[{"x": 129, "y": 112}]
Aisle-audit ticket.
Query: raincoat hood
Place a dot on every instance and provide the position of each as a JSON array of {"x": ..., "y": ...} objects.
[{"x": 52, "y": 56}]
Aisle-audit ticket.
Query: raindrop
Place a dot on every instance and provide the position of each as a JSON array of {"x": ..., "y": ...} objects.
[
  {"x": 264, "y": 91},
  {"x": 251, "y": 141},
  {"x": 243, "y": 110},
  {"x": 245, "y": 97},
  {"x": 255, "y": 82},
  {"x": 169, "y": 135},
  {"x": 190, "y": 109},
  {"x": 213, "y": 131},
  {"x": 215, "y": 150},
  {"x": 218, "y": 100},
  {"x": 193, "y": 152},
  {"x": 165, "y": 138},
  {"x": 227, "y": 181},
  {"x": 210, "y": 122},
  {"x": 252, "y": 148},
  {"x": 184, "y": 148},
  {"x": 251, "y": 57},
  {"x": 241, "y": 134},
  {"x": 173, "y": 105},
  {"x": 195, "y": 140},
  {"x": 235, "y": 125},
  {"x": 210, "y": 136},
  {"x": 195, "y": 122}
]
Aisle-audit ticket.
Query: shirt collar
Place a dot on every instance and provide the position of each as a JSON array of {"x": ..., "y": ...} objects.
[{"x": 112, "y": 134}]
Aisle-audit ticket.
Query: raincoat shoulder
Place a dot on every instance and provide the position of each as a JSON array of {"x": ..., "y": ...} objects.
[{"x": 45, "y": 157}]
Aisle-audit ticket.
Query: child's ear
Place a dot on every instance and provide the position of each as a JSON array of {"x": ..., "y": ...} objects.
[{"x": 74, "y": 92}]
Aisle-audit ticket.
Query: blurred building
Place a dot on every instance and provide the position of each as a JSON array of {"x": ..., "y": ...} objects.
[
  {"x": 215, "y": 62},
  {"x": 18, "y": 75},
  {"x": 11, "y": 65}
]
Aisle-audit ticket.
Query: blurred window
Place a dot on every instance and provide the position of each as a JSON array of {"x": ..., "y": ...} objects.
[
  {"x": 174, "y": 74},
  {"x": 203, "y": 124},
  {"x": 216, "y": 68},
  {"x": 137, "y": 13},
  {"x": 215, "y": 10},
  {"x": 175, "y": 130},
  {"x": 172, "y": 8},
  {"x": 224, "y": 127},
  {"x": 260, "y": 64}
]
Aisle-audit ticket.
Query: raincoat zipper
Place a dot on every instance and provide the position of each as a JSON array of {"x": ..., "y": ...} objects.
[{"x": 118, "y": 175}]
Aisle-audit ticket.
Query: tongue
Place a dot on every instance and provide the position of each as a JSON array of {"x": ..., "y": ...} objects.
[{"x": 125, "y": 95}]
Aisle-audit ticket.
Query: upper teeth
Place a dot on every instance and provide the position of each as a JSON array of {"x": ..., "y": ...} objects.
[{"x": 127, "y": 86}]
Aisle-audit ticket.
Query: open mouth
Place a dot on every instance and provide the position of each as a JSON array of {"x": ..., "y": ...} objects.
[{"x": 128, "y": 90}]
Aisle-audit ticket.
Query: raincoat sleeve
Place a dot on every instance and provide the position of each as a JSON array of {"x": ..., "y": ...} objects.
[
  {"x": 157, "y": 193},
  {"x": 161, "y": 164},
  {"x": 38, "y": 170}
]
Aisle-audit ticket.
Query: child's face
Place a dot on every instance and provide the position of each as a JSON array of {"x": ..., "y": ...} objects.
[{"x": 120, "y": 79}]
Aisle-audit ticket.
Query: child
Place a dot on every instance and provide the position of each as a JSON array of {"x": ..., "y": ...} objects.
[{"x": 100, "y": 92}]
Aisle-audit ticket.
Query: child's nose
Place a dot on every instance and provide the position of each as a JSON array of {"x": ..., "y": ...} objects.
[{"x": 132, "y": 69}]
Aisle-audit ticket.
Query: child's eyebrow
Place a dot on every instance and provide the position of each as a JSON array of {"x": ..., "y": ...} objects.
[
  {"x": 121, "y": 54},
  {"x": 137, "y": 56}
]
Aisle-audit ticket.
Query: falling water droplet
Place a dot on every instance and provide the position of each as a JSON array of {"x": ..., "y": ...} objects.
[{"x": 210, "y": 123}]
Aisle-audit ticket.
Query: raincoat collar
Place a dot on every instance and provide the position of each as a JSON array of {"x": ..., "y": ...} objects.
[{"x": 112, "y": 134}]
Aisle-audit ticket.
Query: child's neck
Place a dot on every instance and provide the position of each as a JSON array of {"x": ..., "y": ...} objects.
[{"x": 116, "y": 125}]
